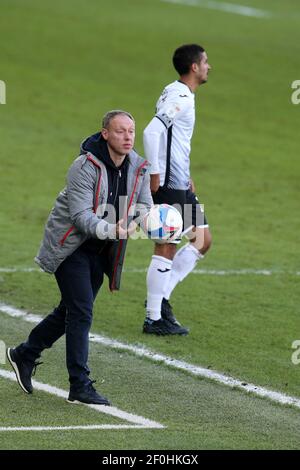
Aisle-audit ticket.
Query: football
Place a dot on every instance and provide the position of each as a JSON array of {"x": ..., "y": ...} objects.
[{"x": 163, "y": 223}]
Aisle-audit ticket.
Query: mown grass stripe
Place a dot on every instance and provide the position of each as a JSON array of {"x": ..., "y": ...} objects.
[
  {"x": 208, "y": 272},
  {"x": 199, "y": 371}
]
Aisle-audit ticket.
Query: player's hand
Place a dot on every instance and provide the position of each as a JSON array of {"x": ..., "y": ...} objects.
[
  {"x": 154, "y": 182},
  {"x": 192, "y": 186}
]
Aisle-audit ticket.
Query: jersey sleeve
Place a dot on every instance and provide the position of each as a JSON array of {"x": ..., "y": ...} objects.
[{"x": 151, "y": 138}]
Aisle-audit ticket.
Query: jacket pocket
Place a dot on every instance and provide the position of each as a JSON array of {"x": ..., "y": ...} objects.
[{"x": 65, "y": 236}]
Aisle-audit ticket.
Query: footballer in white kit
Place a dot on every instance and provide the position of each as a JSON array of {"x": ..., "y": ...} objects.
[
  {"x": 167, "y": 144},
  {"x": 175, "y": 109}
]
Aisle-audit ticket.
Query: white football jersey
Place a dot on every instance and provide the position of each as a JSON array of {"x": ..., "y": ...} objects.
[{"x": 175, "y": 108}]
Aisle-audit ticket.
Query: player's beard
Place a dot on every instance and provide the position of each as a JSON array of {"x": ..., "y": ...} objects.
[{"x": 204, "y": 80}]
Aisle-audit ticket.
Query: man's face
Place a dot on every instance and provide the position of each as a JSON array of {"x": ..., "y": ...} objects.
[
  {"x": 120, "y": 134},
  {"x": 202, "y": 68}
]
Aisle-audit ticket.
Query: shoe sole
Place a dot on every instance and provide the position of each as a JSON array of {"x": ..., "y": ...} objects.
[
  {"x": 16, "y": 370},
  {"x": 158, "y": 333},
  {"x": 76, "y": 402}
]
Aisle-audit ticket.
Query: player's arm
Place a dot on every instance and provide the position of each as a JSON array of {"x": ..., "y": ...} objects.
[
  {"x": 192, "y": 186},
  {"x": 151, "y": 138}
]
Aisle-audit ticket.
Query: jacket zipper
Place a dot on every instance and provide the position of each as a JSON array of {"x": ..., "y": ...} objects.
[
  {"x": 129, "y": 205},
  {"x": 117, "y": 188}
]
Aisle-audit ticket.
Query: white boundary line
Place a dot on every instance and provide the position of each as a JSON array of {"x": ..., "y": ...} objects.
[
  {"x": 199, "y": 371},
  {"x": 224, "y": 6},
  {"x": 69, "y": 428},
  {"x": 20, "y": 270},
  {"x": 208, "y": 272},
  {"x": 137, "y": 421}
]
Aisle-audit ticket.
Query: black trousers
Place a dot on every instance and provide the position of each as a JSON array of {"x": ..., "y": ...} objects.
[{"x": 79, "y": 279}]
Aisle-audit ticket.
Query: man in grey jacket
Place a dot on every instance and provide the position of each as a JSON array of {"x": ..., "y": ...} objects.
[{"x": 85, "y": 237}]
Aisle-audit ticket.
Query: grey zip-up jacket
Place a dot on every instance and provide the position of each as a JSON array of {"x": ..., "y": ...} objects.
[{"x": 77, "y": 213}]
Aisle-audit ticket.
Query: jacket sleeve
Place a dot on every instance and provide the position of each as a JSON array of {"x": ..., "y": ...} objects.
[{"x": 81, "y": 181}]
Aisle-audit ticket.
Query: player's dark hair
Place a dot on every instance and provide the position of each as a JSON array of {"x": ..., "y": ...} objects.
[{"x": 185, "y": 56}]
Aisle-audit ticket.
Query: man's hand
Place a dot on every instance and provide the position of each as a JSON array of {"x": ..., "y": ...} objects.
[
  {"x": 131, "y": 228},
  {"x": 123, "y": 233},
  {"x": 154, "y": 182}
]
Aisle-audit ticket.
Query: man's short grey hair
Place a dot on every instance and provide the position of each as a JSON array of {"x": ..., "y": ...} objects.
[{"x": 111, "y": 114}]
